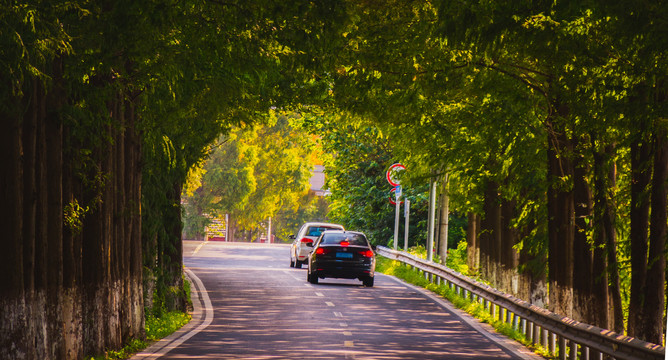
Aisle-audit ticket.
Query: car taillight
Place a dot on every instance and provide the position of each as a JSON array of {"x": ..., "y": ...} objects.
[
  {"x": 321, "y": 251},
  {"x": 367, "y": 253},
  {"x": 344, "y": 243},
  {"x": 306, "y": 240}
]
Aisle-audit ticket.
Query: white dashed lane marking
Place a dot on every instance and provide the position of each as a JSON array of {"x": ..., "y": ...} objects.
[
  {"x": 329, "y": 303},
  {"x": 198, "y": 248},
  {"x": 319, "y": 294}
]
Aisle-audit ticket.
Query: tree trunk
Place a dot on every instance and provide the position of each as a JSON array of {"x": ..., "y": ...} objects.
[
  {"x": 599, "y": 281},
  {"x": 38, "y": 297},
  {"x": 72, "y": 301},
  {"x": 30, "y": 207},
  {"x": 584, "y": 304},
  {"x": 652, "y": 321},
  {"x": 133, "y": 188},
  {"x": 54, "y": 189},
  {"x": 473, "y": 245},
  {"x": 509, "y": 260},
  {"x": 13, "y": 344},
  {"x": 232, "y": 228},
  {"x": 490, "y": 233},
  {"x": 95, "y": 270},
  {"x": 561, "y": 220},
  {"x": 641, "y": 175}
]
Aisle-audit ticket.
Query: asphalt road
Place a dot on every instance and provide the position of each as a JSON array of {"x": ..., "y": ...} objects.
[{"x": 260, "y": 308}]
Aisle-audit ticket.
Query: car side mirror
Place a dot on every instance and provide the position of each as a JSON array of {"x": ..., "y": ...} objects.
[
  {"x": 291, "y": 237},
  {"x": 309, "y": 244},
  {"x": 373, "y": 247}
]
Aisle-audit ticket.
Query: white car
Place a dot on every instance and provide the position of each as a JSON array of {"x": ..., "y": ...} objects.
[{"x": 303, "y": 241}]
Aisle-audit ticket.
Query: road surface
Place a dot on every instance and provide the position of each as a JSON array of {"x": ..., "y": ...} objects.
[{"x": 260, "y": 308}]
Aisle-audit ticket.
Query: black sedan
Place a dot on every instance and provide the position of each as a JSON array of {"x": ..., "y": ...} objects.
[{"x": 342, "y": 254}]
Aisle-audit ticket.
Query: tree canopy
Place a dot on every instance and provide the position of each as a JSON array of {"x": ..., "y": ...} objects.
[{"x": 549, "y": 119}]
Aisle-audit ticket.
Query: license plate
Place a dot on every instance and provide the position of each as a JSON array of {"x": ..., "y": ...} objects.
[{"x": 344, "y": 255}]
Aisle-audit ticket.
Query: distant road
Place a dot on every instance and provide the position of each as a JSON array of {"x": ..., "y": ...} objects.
[{"x": 263, "y": 309}]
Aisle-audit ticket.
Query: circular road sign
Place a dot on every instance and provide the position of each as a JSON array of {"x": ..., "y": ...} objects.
[
  {"x": 392, "y": 173},
  {"x": 393, "y": 197}
]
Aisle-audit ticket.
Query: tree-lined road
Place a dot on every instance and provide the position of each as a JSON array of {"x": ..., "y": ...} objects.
[{"x": 263, "y": 309}]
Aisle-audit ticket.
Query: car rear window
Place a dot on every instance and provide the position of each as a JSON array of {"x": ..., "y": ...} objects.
[
  {"x": 352, "y": 239},
  {"x": 317, "y": 230}
]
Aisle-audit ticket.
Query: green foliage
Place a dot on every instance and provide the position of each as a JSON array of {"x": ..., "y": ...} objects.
[
  {"x": 310, "y": 208},
  {"x": 457, "y": 260},
  {"x": 73, "y": 216},
  {"x": 464, "y": 88},
  {"x": 255, "y": 173},
  {"x": 355, "y": 172}
]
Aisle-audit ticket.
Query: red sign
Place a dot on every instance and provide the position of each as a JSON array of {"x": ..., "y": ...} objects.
[{"x": 392, "y": 173}]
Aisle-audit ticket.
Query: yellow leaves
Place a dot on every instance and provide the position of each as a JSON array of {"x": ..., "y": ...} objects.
[
  {"x": 194, "y": 179},
  {"x": 73, "y": 215},
  {"x": 539, "y": 21}
]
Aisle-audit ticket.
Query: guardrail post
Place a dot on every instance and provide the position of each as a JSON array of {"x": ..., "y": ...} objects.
[
  {"x": 574, "y": 350},
  {"x": 598, "y": 355},
  {"x": 586, "y": 351},
  {"x": 523, "y": 327},
  {"x": 562, "y": 347},
  {"x": 553, "y": 342},
  {"x": 536, "y": 334},
  {"x": 530, "y": 332}
]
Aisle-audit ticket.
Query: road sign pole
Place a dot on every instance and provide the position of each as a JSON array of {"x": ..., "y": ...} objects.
[
  {"x": 407, "y": 213},
  {"x": 391, "y": 176},
  {"x": 396, "y": 225},
  {"x": 397, "y": 194}
]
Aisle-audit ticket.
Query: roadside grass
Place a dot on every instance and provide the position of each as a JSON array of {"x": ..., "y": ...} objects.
[{"x": 475, "y": 309}]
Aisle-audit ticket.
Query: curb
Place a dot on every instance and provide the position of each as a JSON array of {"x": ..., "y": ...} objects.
[{"x": 202, "y": 316}]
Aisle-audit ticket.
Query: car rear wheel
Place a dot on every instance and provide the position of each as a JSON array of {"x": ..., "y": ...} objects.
[
  {"x": 298, "y": 264},
  {"x": 292, "y": 263},
  {"x": 368, "y": 282},
  {"x": 312, "y": 278}
]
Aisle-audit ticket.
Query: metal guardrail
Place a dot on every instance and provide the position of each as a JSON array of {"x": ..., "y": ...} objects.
[{"x": 561, "y": 335}]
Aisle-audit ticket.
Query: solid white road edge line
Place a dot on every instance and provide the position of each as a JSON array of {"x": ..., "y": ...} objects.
[{"x": 167, "y": 344}]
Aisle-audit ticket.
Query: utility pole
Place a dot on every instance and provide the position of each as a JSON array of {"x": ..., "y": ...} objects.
[
  {"x": 443, "y": 221},
  {"x": 227, "y": 227},
  {"x": 432, "y": 213}
]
